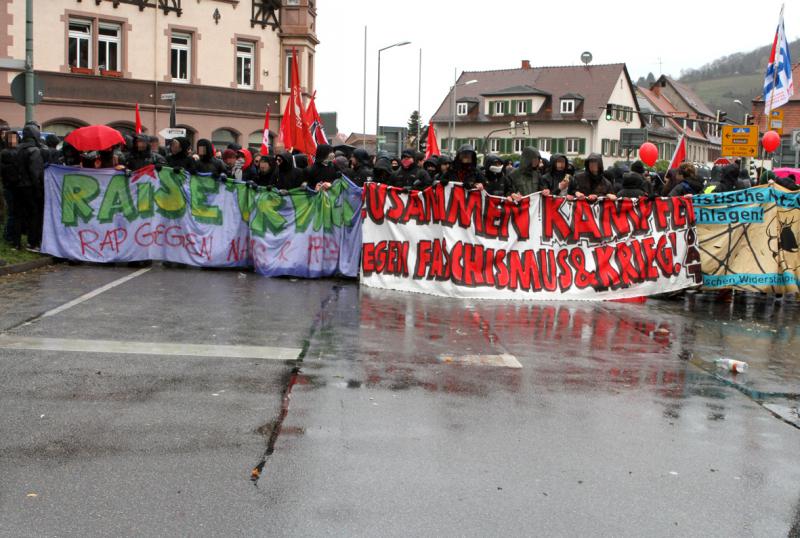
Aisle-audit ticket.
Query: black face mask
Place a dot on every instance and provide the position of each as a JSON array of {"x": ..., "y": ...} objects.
[{"x": 395, "y": 167}]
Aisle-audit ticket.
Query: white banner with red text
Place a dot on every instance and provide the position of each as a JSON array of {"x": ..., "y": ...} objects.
[{"x": 451, "y": 242}]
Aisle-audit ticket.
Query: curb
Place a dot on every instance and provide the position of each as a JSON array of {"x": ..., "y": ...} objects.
[{"x": 26, "y": 266}]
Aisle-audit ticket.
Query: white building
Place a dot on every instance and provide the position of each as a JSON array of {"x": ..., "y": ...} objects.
[{"x": 564, "y": 107}]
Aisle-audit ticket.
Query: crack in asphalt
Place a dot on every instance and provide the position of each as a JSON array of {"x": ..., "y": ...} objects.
[{"x": 274, "y": 428}]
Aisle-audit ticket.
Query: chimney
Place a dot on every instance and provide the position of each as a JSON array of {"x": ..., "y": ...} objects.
[{"x": 526, "y": 64}]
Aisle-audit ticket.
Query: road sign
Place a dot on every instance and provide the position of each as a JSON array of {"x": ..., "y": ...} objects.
[
  {"x": 168, "y": 96},
  {"x": 632, "y": 138},
  {"x": 739, "y": 140},
  {"x": 796, "y": 139},
  {"x": 776, "y": 121},
  {"x": 18, "y": 89},
  {"x": 168, "y": 133}
]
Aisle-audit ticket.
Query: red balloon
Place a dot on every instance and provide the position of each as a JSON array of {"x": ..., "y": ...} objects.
[
  {"x": 771, "y": 141},
  {"x": 648, "y": 153}
]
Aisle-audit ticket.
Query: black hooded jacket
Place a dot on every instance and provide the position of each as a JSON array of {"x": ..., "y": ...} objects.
[
  {"x": 139, "y": 159},
  {"x": 382, "y": 172},
  {"x": 320, "y": 172},
  {"x": 8, "y": 164},
  {"x": 207, "y": 163},
  {"x": 729, "y": 179},
  {"x": 495, "y": 183},
  {"x": 632, "y": 186},
  {"x": 689, "y": 185},
  {"x": 412, "y": 177},
  {"x": 553, "y": 177},
  {"x": 362, "y": 171},
  {"x": 588, "y": 184},
  {"x": 30, "y": 159},
  {"x": 466, "y": 173},
  {"x": 182, "y": 159},
  {"x": 269, "y": 177},
  {"x": 287, "y": 176}
]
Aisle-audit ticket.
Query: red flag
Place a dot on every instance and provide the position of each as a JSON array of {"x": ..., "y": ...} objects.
[
  {"x": 315, "y": 122},
  {"x": 680, "y": 153},
  {"x": 138, "y": 120},
  {"x": 432, "y": 147},
  {"x": 265, "y": 135},
  {"x": 294, "y": 130}
]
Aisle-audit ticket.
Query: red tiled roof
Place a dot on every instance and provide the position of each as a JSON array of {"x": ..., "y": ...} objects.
[
  {"x": 664, "y": 106},
  {"x": 594, "y": 82}
]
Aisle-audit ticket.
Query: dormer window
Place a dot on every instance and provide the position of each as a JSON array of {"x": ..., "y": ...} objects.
[
  {"x": 522, "y": 108},
  {"x": 499, "y": 108},
  {"x": 462, "y": 109},
  {"x": 568, "y": 106}
]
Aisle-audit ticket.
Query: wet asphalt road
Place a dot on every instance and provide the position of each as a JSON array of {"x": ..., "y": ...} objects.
[{"x": 616, "y": 424}]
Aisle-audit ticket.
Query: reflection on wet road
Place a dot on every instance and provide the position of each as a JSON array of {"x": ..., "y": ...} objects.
[{"x": 397, "y": 414}]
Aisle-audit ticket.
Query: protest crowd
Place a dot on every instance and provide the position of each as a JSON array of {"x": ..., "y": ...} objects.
[{"x": 24, "y": 158}]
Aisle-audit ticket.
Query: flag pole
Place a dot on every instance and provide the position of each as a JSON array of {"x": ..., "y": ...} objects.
[{"x": 774, "y": 76}]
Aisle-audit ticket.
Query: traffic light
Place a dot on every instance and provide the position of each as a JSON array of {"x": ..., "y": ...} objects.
[
  {"x": 721, "y": 114},
  {"x": 609, "y": 112}
]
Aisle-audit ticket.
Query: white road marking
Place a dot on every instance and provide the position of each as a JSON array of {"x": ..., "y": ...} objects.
[
  {"x": 147, "y": 348},
  {"x": 504, "y": 360},
  {"x": 93, "y": 293}
]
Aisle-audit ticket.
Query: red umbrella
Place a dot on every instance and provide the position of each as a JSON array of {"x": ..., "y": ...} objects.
[{"x": 94, "y": 138}]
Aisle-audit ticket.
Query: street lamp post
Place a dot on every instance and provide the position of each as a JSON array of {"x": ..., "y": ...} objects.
[
  {"x": 378, "y": 106},
  {"x": 452, "y": 129}
]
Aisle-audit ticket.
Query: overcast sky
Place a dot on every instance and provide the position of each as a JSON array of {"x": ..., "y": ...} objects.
[{"x": 499, "y": 34}]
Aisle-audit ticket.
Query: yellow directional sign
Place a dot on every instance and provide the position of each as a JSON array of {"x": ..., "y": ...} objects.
[
  {"x": 739, "y": 140},
  {"x": 776, "y": 121}
]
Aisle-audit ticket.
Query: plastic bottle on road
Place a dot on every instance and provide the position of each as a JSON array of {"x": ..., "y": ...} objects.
[{"x": 737, "y": 367}]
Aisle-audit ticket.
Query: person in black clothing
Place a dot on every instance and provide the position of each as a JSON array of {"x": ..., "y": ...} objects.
[
  {"x": 322, "y": 173},
  {"x": 496, "y": 181},
  {"x": 688, "y": 181},
  {"x": 444, "y": 163},
  {"x": 10, "y": 177},
  {"x": 361, "y": 165},
  {"x": 728, "y": 181},
  {"x": 141, "y": 155},
  {"x": 53, "y": 155},
  {"x": 301, "y": 162},
  {"x": 557, "y": 178},
  {"x": 431, "y": 165},
  {"x": 206, "y": 163},
  {"x": 395, "y": 164},
  {"x": 410, "y": 176},
  {"x": 29, "y": 193},
  {"x": 156, "y": 147},
  {"x": 382, "y": 172},
  {"x": 266, "y": 176},
  {"x": 633, "y": 186},
  {"x": 179, "y": 158},
  {"x": 591, "y": 182},
  {"x": 465, "y": 169},
  {"x": 287, "y": 176}
]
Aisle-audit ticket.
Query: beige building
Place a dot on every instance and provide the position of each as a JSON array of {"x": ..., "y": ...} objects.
[{"x": 226, "y": 61}]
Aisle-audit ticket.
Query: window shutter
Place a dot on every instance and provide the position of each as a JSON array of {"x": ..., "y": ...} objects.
[
  {"x": 506, "y": 145},
  {"x": 491, "y": 108},
  {"x": 529, "y": 106},
  {"x": 508, "y": 108},
  {"x": 582, "y": 146},
  {"x": 562, "y": 145},
  {"x": 513, "y": 109}
]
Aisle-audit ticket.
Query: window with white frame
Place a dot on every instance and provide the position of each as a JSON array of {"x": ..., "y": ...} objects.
[
  {"x": 288, "y": 67},
  {"x": 522, "y": 108},
  {"x": 244, "y": 64},
  {"x": 573, "y": 146},
  {"x": 519, "y": 143},
  {"x": 567, "y": 106},
  {"x": 180, "y": 57},
  {"x": 462, "y": 109},
  {"x": 605, "y": 146},
  {"x": 80, "y": 43},
  {"x": 108, "y": 47},
  {"x": 499, "y": 108},
  {"x": 546, "y": 144},
  {"x": 494, "y": 145}
]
